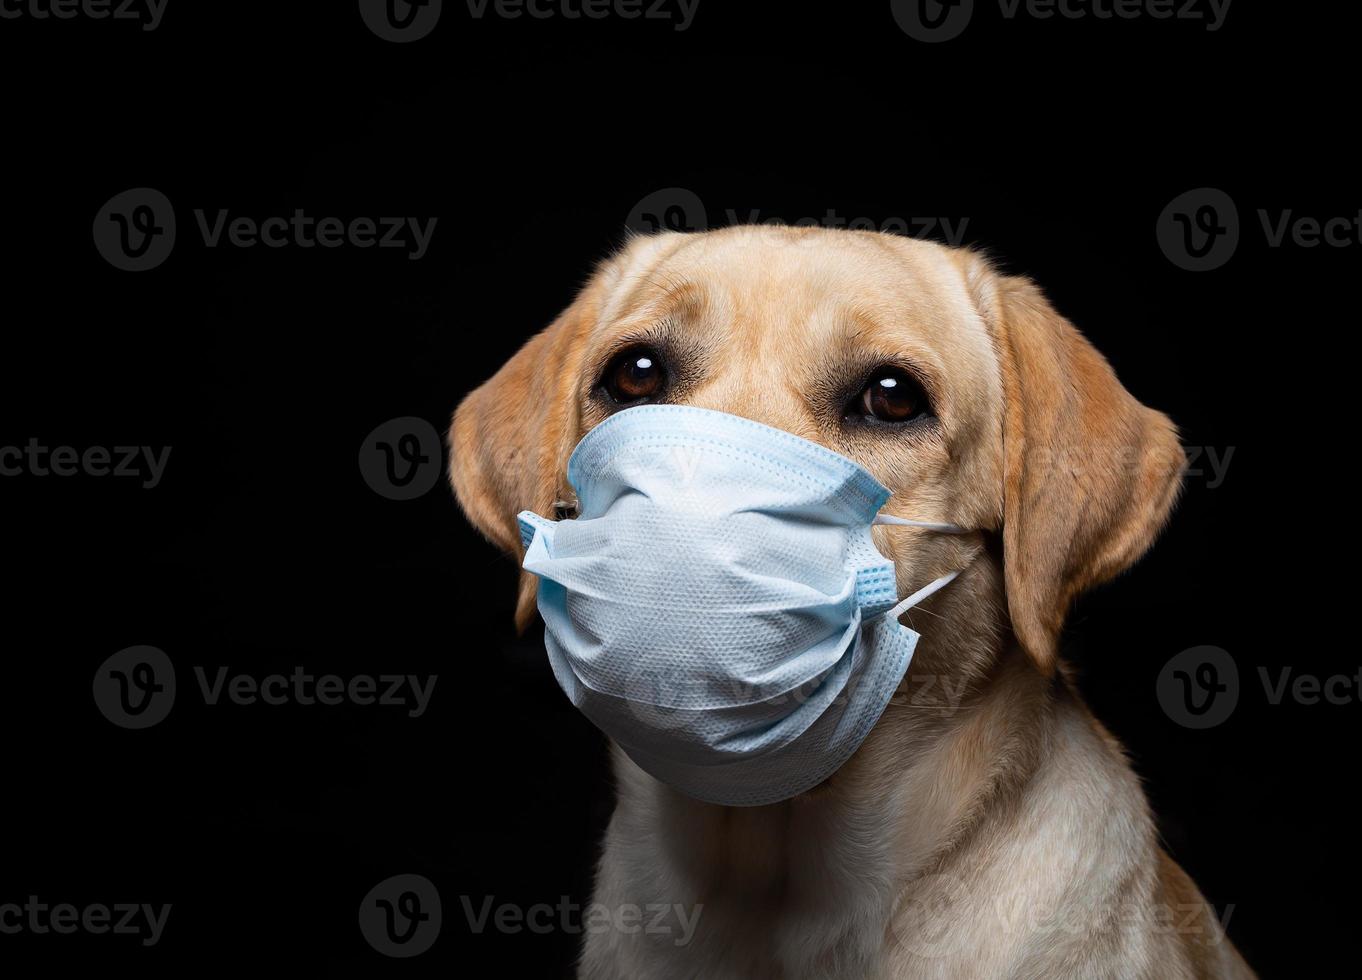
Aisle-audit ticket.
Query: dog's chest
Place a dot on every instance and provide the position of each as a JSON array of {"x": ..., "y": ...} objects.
[{"x": 778, "y": 893}]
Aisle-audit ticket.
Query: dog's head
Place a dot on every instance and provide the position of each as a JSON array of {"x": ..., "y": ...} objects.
[{"x": 960, "y": 389}]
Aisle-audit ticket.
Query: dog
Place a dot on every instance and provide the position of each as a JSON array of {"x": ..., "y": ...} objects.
[{"x": 988, "y": 826}]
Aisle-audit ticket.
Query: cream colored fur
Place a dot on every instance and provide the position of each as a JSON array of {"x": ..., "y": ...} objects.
[{"x": 988, "y": 826}]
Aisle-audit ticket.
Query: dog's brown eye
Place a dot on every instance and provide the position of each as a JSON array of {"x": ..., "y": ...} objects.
[
  {"x": 634, "y": 376},
  {"x": 892, "y": 396}
]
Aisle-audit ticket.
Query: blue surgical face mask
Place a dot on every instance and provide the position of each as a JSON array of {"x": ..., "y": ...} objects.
[{"x": 718, "y": 606}]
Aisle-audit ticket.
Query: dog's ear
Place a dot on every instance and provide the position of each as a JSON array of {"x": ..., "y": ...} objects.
[
  {"x": 1090, "y": 474},
  {"x": 511, "y": 437}
]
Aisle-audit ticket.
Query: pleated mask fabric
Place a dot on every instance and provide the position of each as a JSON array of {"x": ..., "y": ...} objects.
[{"x": 718, "y": 606}]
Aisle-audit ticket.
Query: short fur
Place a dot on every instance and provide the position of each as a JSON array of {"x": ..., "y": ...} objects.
[{"x": 988, "y": 826}]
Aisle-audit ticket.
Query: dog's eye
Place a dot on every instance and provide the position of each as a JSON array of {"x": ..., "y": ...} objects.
[
  {"x": 634, "y": 376},
  {"x": 891, "y": 396}
]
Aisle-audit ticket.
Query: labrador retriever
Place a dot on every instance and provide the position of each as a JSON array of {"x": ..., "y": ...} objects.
[{"x": 988, "y": 826}]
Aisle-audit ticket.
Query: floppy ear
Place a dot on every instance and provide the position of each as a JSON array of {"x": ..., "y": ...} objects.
[
  {"x": 511, "y": 437},
  {"x": 1090, "y": 474}
]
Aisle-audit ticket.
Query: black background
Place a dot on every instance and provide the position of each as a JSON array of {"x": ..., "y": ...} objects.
[{"x": 1061, "y": 141}]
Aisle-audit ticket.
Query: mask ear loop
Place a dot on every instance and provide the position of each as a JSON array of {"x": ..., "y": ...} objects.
[
  {"x": 925, "y": 525},
  {"x": 927, "y": 590},
  {"x": 931, "y": 587}
]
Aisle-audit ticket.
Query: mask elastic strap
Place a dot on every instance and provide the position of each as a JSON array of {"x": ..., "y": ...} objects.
[
  {"x": 929, "y": 589},
  {"x": 925, "y": 525}
]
